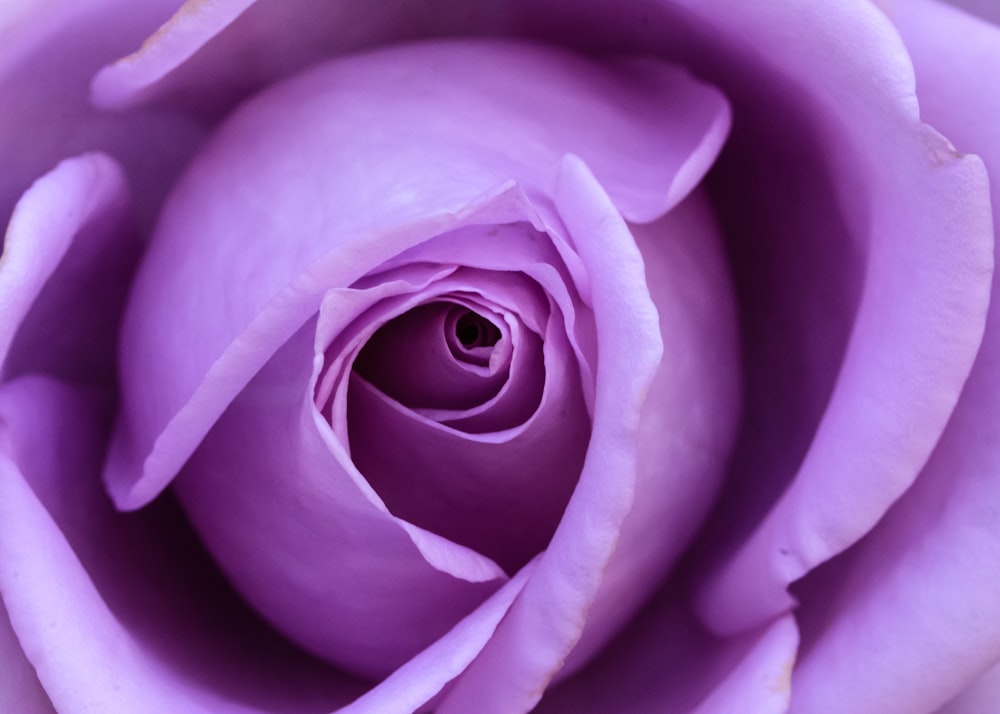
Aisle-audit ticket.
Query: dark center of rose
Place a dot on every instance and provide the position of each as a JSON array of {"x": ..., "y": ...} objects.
[{"x": 474, "y": 330}]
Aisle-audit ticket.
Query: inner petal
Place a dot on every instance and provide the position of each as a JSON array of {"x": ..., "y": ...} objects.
[
  {"x": 438, "y": 356},
  {"x": 468, "y": 482},
  {"x": 471, "y": 337}
]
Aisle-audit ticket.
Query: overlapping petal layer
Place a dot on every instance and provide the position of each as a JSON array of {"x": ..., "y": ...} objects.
[
  {"x": 398, "y": 183},
  {"x": 49, "y": 49},
  {"x": 915, "y": 608},
  {"x": 910, "y": 350}
]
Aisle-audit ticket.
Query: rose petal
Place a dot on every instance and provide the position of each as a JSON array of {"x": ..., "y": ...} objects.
[
  {"x": 68, "y": 256},
  {"x": 470, "y": 488},
  {"x": 550, "y": 261},
  {"x": 980, "y": 696},
  {"x": 926, "y": 223},
  {"x": 119, "y": 612},
  {"x": 547, "y": 618},
  {"x": 986, "y": 9},
  {"x": 46, "y": 57},
  {"x": 689, "y": 419},
  {"x": 423, "y": 676},
  {"x": 241, "y": 52},
  {"x": 241, "y": 208},
  {"x": 118, "y": 85},
  {"x": 20, "y": 690},
  {"x": 305, "y": 539},
  {"x": 922, "y": 590},
  {"x": 666, "y": 662},
  {"x": 437, "y": 374}
]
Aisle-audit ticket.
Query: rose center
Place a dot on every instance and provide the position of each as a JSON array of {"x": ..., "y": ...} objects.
[{"x": 474, "y": 330}]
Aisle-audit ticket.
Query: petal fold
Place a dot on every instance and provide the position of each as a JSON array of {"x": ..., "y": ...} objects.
[
  {"x": 278, "y": 501},
  {"x": 920, "y": 214},
  {"x": 123, "y": 612},
  {"x": 547, "y": 618},
  {"x": 410, "y": 168},
  {"x": 67, "y": 260},
  {"x": 914, "y": 607}
]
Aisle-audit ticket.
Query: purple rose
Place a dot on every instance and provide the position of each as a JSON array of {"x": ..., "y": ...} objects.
[{"x": 498, "y": 357}]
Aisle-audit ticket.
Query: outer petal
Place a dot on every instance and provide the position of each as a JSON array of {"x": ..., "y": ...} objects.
[
  {"x": 665, "y": 661},
  {"x": 923, "y": 222},
  {"x": 395, "y": 184},
  {"x": 216, "y": 53},
  {"x": 123, "y": 613},
  {"x": 305, "y": 544},
  {"x": 47, "y": 55},
  {"x": 20, "y": 690},
  {"x": 916, "y": 607},
  {"x": 689, "y": 418},
  {"x": 980, "y": 696},
  {"x": 422, "y": 677},
  {"x": 68, "y": 258}
]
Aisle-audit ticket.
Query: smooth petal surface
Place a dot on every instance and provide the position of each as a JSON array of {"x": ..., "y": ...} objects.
[
  {"x": 923, "y": 222},
  {"x": 117, "y": 85},
  {"x": 547, "y": 619},
  {"x": 224, "y": 240},
  {"x": 20, "y": 690},
  {"x": 689, "y": 419},
  {"x": 121, "y": 612},
  {"x": 422, "y": 677},
  {"x": 68, "y": 256},
  {"x": 916, "y": 607}
]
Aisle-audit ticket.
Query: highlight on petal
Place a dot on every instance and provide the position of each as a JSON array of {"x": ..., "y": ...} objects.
[
  {"x": 224, "y": 240},
  {"x": 67, "y": 260},
  {"x": 924, "y": 232}
]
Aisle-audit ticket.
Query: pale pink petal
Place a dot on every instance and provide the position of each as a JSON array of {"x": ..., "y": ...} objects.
[
  {"x": 123, "y": 612},
  {"x": 909, "y": 618},
  {"x": 224, "y": 240},
  {"x": 547, "y": 618},
  {"x": 68, "y": 257}
]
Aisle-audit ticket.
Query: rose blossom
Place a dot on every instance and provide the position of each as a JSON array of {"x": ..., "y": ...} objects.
[{"x": 644, "y": 366}]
